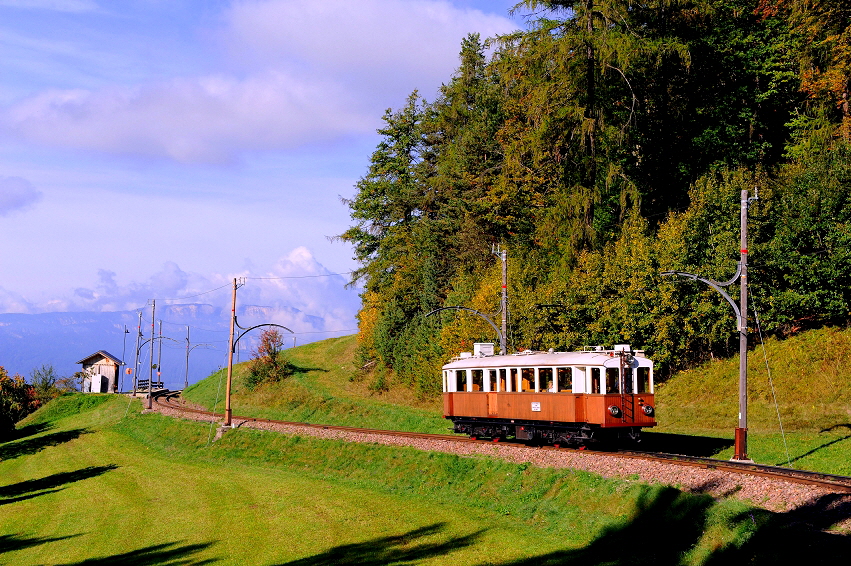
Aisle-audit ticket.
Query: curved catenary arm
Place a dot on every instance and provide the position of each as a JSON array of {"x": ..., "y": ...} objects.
[
  {"x": 247, "y": 330},
  {"x": 484, "y": 316}
]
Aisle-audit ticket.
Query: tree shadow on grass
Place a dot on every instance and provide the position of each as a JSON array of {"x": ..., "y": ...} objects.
[
  {"x": 299, "y": 369},
  {"x": 28, "y": 430},
  {"x": 48, "y": 484},
  {"x": 11, "y": 543},
  {"x": 169, "y": 553},
  {"x": 15, "y": 448},
  {"x": 396, "y": 549},
  {"x": 822, "y": 446},
  {"x": 667, "y": 524},
  {"x": 685, "y": 444},
  {"x": 796, "y": 537}
]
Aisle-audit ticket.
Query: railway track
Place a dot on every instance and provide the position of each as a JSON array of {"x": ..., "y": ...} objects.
[{"x": 835, "y": 483}]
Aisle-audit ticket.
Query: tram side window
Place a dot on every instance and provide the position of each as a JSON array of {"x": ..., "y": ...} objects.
[
  {"x": 460, "y": 380},
  {"x": 545, "y": 375},
  {"x": 595, "y": 380},
  {"x": 527, "y": 377},
  {"x": 478, "y": 380},
  {"x": 643, "y": 380},
  {"x": 612, "y": 380},
  {"x": 501, "y": 378},
  {"x": 565, "y": 379}
]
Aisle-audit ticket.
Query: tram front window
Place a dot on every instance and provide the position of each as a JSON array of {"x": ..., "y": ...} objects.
[
  {"x": 595, "y": 380},
  {"x": 612, "y": 380},
  {"x": 643, "y": 380},
  {"x": 460, "y": 380}
]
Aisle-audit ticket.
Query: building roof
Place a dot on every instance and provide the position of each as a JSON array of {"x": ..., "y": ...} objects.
[{"x": 102, "y": 353}]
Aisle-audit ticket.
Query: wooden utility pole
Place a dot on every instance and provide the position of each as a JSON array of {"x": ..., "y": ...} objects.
[{"x": 230, "y": 357}]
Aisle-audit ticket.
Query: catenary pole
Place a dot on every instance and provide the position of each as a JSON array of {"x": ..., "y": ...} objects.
[
  {"x": 503, "y": 302},
  {"x": 740, "y": 450},
  {"x": 160, "y": 355},
  {"x": 186, "y": 378},
  {"x": 120, "y": 382},
  {"x": 741, "y": 437},
  {"x": 230, "y": 357},
  {"x": 151, "y": 368},
  {"x": 136, "y": 363}
]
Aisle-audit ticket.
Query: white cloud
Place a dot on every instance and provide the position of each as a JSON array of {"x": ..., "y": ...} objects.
[
  {"x": 297, "y": 292},
  {"x": 300, "y": 72},
  {"x": 374, "y": 40},
  {"x": 192, "y": 120},
  {"x": 14, "y": 302},
  {"x": 16, "y": 193}
]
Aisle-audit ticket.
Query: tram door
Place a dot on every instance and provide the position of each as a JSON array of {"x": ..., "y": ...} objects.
[
  {"x": 493, "y": 377},
  {"x": 493, "y": 407}
]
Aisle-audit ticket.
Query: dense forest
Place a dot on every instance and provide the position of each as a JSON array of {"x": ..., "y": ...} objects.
[{"x": 606, "y": 142}]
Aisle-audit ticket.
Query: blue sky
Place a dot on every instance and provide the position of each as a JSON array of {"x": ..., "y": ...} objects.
[{"x": 156, "y": 148}]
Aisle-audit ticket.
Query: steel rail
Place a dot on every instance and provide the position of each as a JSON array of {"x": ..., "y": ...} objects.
[{"x": 830, "y": 481}]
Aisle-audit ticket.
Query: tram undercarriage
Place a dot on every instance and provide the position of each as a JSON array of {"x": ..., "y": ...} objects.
[{"x": 555, "y": 433}]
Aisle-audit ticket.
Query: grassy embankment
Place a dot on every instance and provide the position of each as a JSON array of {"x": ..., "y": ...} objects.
[
  {"x": 85, "y": 484},
  {"x": 811, "y": 373}
]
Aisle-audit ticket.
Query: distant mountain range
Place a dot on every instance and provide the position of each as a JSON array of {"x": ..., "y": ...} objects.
[{"x": 28, "y": 341}]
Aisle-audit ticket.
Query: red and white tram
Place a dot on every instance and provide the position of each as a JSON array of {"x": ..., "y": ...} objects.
[{"x": 556, "y": 397}]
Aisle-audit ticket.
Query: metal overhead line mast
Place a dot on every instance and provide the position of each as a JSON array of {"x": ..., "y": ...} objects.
[
  {"x": 136, "y": 363},
  {"x": 151, "y": 372},
  {"x": 741, "y": 435},
  {"x": 502, "y": 254}
]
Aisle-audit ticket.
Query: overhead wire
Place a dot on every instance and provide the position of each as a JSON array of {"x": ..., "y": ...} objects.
[
  {"x": 770, "y": 380},
  {"x": 300, "y": 276}
]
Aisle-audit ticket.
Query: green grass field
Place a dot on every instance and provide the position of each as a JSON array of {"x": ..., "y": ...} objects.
[
  {"x": 86, "y": 484},
  {"x": 91, "y": 480}
]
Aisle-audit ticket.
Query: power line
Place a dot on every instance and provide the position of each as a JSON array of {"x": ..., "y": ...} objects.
[
  {"x": 198, "y": 295},
  {"x": 302, "y": 276}
]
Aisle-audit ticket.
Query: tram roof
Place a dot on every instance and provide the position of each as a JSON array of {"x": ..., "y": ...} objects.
[{"x": 544, "y": 359}]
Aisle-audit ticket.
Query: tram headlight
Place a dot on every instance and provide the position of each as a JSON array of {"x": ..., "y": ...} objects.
[
  {"x": 615, "y": 411},
  {"x": 648, "y": 410}
]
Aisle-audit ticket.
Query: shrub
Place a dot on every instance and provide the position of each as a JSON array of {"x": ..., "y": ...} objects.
[
  {"x": 17, "y": 400},
  {"x": 267, "y": 364}
]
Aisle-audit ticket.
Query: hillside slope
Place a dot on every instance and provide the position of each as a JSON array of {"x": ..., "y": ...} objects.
[
  {"x": 811, "y": 373},
  {"x": 325, "y": 389}
]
